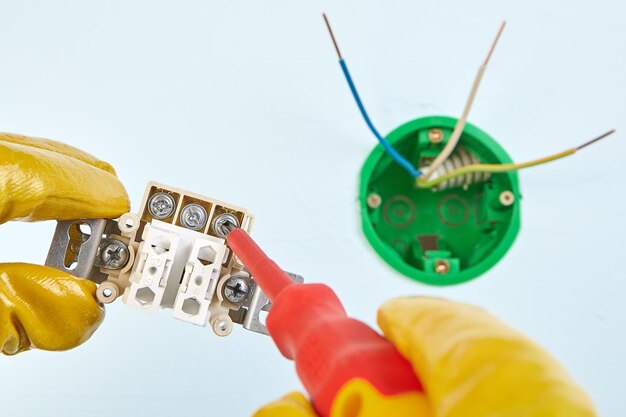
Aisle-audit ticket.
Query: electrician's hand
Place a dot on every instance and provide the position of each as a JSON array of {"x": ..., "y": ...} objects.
[
  {"x": 40, "y": 179},
  {"x": 470, "y": 364}
]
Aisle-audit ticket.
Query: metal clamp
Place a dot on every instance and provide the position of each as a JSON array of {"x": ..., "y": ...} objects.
[
  {"x": 249, "y": 315},
  {"x": 75, "y": 251}
]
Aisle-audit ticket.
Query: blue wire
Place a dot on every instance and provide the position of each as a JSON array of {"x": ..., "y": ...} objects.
[{"x": 402, "y": 161}]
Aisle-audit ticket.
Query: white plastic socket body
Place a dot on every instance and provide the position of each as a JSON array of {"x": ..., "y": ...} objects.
[{"x": 177, "y": 269}]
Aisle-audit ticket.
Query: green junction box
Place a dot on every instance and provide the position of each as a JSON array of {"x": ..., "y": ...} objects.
[{"x": 446, "y": 236}]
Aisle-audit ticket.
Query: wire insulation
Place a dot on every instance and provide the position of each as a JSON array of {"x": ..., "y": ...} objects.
[
  {"x": 458, "y": 128},
  {"x": 402, "y": 161},
  {"x": 460, "y": 124},
  {"x": 393, "y": 153},
  {"x": 424, "y": 183}
]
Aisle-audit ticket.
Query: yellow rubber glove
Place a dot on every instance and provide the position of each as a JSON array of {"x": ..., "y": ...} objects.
[
  {"x": 470, "y": 363},
  {"x": 41, "y": 179}
]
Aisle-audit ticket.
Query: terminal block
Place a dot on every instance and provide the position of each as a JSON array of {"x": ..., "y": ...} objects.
[{"x": 172, "y": 255}]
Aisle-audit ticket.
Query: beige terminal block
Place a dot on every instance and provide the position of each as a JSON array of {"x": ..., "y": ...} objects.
[{"x": 178, "y": 257}]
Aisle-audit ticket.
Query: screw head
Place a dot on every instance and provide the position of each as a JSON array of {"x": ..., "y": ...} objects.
[
  {"x": 161, "y": 206},
  {"x": 374, "y": 200},
  {"x": 507, "y": 198},
  {"x": 435, "y": 135},
  {"x": 193, "y": 216},
  {"x": 115, "y": 255},
  {"x": 442, "y": 267},
  {"x": 221, "y": 221},
  {"x": 236, "y": 289}
]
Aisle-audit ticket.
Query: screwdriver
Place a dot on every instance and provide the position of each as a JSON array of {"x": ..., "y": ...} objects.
[{"x": 309, "y": 325}]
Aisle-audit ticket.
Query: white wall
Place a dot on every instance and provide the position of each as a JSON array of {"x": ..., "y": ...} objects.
[{"x": 172, "y": 90}]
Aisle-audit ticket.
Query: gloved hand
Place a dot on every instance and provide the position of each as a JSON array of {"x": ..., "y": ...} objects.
[
  {"x": 470, "y": 363},
  {"x": 40, "y": 179}
]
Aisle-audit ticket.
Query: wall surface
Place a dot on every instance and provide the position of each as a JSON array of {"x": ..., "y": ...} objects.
[{"x": 251, "y": 92}]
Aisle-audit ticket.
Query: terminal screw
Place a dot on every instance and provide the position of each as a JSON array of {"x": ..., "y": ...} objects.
[
  {"x": 224, "y": 224},
  {"x": 161, "y": 206},
  {"x": 114, "y": 255},
  {"x": 193, "y": 216},
  {"x": 236, "y": 289}
]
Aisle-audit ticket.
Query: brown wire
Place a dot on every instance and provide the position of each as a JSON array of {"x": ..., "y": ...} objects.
[{"x": 332, "y": 35}]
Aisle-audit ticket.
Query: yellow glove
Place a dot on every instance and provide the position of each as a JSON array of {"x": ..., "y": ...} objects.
[
  {"x": 470, "y": 363},
  {"x": 40, "y": 179}
]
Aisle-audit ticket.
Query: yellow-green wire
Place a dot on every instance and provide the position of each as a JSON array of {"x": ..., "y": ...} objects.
[{"x": 421, "y": 183}]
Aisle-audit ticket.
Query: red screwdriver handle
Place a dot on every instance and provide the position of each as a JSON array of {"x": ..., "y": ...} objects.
[
  {"x": 266, "y": 272},
  {"x": 309, "y": 325}
]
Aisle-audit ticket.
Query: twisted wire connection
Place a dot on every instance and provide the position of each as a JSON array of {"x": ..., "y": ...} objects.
[{"x": 459, "y": 159}]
